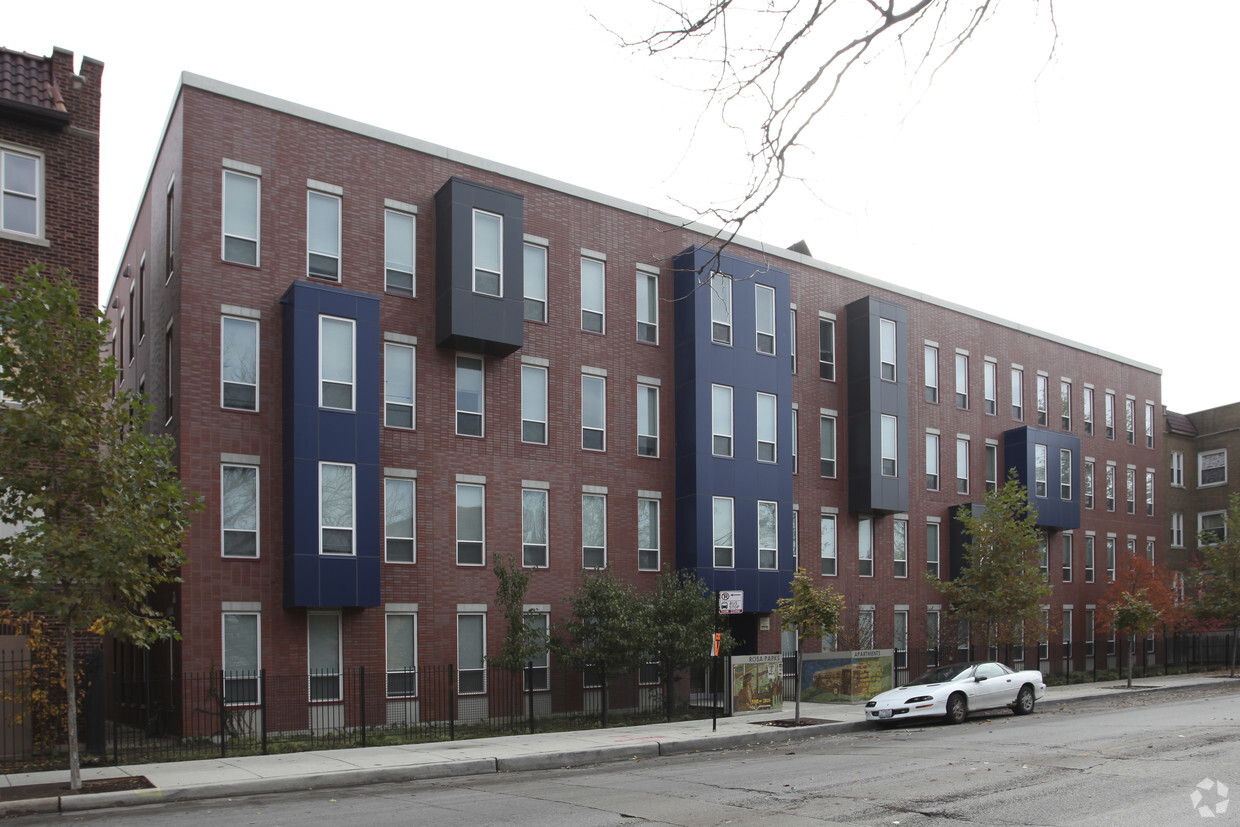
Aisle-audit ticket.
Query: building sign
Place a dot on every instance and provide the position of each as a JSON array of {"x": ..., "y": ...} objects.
[
  {"x": 757, "y": 683},
  {"x": 731, "y": 603},
  {"x": 846, "y": 677}
]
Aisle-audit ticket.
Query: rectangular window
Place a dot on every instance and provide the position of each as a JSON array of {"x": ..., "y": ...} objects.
[
  {"x": 1130, "y": 421},
  {"x": 1089, "y": 633},
  {"x": 1067, "y": 558},
  {"x": 239, "y": 510},
  {"x": 469, "y": 395},
  {"x": 648, "y": 308},
  {"x": 1111, "y": 559},
  {"x": 337, "y": 365},
  {"x": 764, "y": 318},
  {"x": 826, "y": 349},
  {"x": 1149, "y": 426},
  {"x": 899, "y": 543},
  {"x": 1177, "y": 469},
  {"x": 932, "y": 637},
  {"x": 323, "y": 655},
  {"x": 398, "y": 382},
  {"x": 721, "y": 309},
  {"x": 1149, "y": 493},
  {"x": 1212, "y": 468},
  {"x": 336, "y": 499},
  {"x": 1018, "y": 394},
  {"x": 241, "y": 218},
  {"x": 242, "y": 659},
  {"x": 721, "y": 420},
  {"x": 471, "y": 653},
  {"x": 792, "y": 337},
  {"x": 323, "y": 235},
  {"x": 900, "y": 639},
  {"x": 170, "y": 377},
  {"x": 534, "y": 405},
  {"x": 962, "y": 466},
  {"x": 1087, "y": 410},
  {"x": 535, "y": 278},
  {"x": 593, "y": 295},
  {"x": 593, "y": 413},
  {"x": 402, "y": 655},
  {"x": 992, "y": 468},
  {"x": 865, "y": 628},
  {"x": 470, "y": 525},
  {"x": 1042, "y": 401},
  {"x": 827, "y": 546},
  {"x": 932, "y": 462},
  {"x": 239, "y": 363},
  {"x": 1212, "y": 527},
  {"x": 534, "y": 528},
  {"x": 1110, "y": 492},
  {"x": 1130, "y": 489},
  {"x": 1088, "y": 483},
  {"x": 1065, "y": 406},
  {"x": 647, "y": 420},
  {"x": 962, "y": 381},
  {"x": 1067, "y": 633},
  {"x": 932, "y": 549},
  {"x": 865, "y": 547},
  {"x": 826, "y": 442},
  {"x": 539, "y": 626},
  {"x": 887, "y": 350},
  {"x": 887, "y": 446},
  {"x": 170, "y": 231},
  {"x": 1065, "y": 474},
  {"x": 1089, "y": 558},
  {"x": 795, "y": 440},
  {"x": 1177, "y": 530},
  {"x": 399, "y": 532},
  {"x": 20, "y": 186},
  {"x": 593, "y": 532},
  {"x": 1108, "y": 413},
  {"x": 648, "y": 535},
  {"x": 768, "y": 535},
  {"x": 990, "y": 391},
  {"x": 1044, "y": 647},
  {"x": 1043, "y": 552},
  {"x": 766, "y": 429},
  {"x": 398, "y": 260},
  {"x": 488, "y": 253},
  {"x": 722, "y": 524},
  {"x": 932, "y": 374}
]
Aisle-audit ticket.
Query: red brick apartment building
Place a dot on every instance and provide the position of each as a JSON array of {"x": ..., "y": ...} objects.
[
  {"x": 1197, "y": 453},
  {"x": 387, "y": 363}
]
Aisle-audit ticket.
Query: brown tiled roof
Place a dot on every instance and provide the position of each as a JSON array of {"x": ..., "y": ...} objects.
[
  {"x": 28, "y": 84},
  {"x": 1178, "y": 423}
]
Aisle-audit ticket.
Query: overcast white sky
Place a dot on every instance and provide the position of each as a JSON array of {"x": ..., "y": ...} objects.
[{"x": 1094, "y": 197}]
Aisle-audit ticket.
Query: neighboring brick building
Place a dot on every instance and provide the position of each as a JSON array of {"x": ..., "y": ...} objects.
[
  {"x": 1197, "y": 451},
  {"x": 49, "y": 167},
  {"x": 386, "y": 363}
]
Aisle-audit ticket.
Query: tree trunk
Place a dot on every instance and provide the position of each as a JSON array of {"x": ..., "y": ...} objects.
[
  {"x": 75, "y": 769},
  {"x": 797, "y": 692},
  {"x": 1132, "y": 645}
]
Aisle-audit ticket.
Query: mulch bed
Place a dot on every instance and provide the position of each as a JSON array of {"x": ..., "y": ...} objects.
[{"x": 59, "y": 788}]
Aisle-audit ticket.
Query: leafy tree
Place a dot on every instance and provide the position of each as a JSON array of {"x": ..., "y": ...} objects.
[
  {"x": 1139, "y": 599},
  {"x": 1217, "y": 577},
  {"x": 523, "y": 641},
  {"x": 811, "y": 612},
  {"x": 773, "y": 67},
  {"x": 609, "y": 632},
  {"x": 682, "y": 621},
  {"x": 1001, "y": 587},
  {"x": 99, "y": 511}
]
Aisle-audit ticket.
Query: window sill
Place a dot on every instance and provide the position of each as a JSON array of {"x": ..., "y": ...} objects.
[{"x": 33, "y": 240}]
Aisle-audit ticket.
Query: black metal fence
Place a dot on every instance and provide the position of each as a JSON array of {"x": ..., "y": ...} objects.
[{"x": 217, "y": 714}]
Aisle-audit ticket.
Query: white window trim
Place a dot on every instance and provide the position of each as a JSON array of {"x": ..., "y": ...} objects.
[
  {"x": 352, "y": 527},
  {"x": 257, "y": 513},
  {"x": 352, "y": 383},
  {"x": 387, "y": 667},
  {"x": 404, "y": 211},
  {"x": 456, "y": 519},
  {"x": 412, "y": 404},
  {"x": 1226, "y": 475},
  {"x": 224, "y": 319},
  {"x": 339, "y": 696},
  {"x": 603, "y": 499},
  {"x": 316, "y": 191},
  {"x": 258, "y": 216},
  {"x": 39, "y": 237},
  {"x": 774, "y": 506},
  {"x": 774, "y": 441},
  {"x": 413, "y": 538},
  {"x": 258, "y": 631},
  {"x": 473, "y": 250}
]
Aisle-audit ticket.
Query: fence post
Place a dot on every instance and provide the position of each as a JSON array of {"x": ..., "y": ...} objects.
[
  {"x": 223, "y": 722},
  {"x": 262, "y": 705},
  {"x": 361, "y": 687}
]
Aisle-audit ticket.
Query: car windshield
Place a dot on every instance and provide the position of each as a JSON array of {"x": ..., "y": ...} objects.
[{"x": 943, "y": 674}]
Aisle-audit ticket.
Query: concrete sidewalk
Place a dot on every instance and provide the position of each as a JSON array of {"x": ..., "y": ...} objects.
[{"x": 248, "y": 775}]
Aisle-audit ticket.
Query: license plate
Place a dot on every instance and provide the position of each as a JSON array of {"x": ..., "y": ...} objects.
[{"x": 884, "y": 713}]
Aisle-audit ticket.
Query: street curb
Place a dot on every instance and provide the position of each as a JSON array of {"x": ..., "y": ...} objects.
[
  {"x": 558, "y": 760},
  {"x": 29, "y": 807}
]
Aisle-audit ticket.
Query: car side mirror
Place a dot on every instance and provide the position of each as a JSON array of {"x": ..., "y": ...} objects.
[{"x": 979, "y": 678}]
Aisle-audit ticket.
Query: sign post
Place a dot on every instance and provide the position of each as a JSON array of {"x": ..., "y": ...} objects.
[{"x": 730, "y": 603}]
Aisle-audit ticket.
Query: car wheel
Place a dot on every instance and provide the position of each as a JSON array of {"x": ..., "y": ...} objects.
[
  {"x": 1024, "y": 701},
  {"x": 957, "y": 709}
]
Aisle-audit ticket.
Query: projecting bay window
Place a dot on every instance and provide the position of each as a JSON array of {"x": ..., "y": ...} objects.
[
  {"x": 488, "y": 250},
  {"x": 323, "y": 235},
  {"x": 337, "y": 496},
  {"x": 722, "y": 529}
]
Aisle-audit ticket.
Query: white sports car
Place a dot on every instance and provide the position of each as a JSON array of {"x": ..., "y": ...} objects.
[{"x": 955, "y": 690}]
